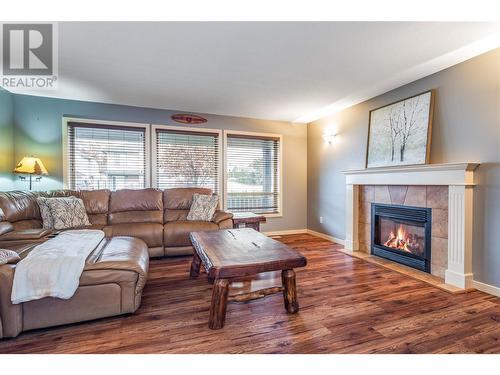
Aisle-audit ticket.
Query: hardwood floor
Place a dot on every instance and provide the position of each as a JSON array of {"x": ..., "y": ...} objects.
[{"x": 347, "y": 305}]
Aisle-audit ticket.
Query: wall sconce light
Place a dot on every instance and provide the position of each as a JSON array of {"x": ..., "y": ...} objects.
[{"x": 329, "y": 138}]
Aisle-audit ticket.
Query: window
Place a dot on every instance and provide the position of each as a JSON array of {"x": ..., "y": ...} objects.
[
  {"x": 253, "y": 178},
  {"x": 105, "y": 156},
  {"x": 185, "y": 158}
]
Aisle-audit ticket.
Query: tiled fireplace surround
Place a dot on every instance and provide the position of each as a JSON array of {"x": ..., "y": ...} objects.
[
  {"x": 434, "y": 197},
  {"x": 445, "y": 188}
]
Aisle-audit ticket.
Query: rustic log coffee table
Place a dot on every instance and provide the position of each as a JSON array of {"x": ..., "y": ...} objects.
[{"x": 235, "y": 253}]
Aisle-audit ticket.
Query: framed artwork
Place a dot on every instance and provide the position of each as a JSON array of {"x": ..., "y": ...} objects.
[{"x": 400, "y": 133}]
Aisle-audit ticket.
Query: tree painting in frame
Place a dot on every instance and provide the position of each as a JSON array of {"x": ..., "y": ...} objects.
[{"x": 400, "y": 133}]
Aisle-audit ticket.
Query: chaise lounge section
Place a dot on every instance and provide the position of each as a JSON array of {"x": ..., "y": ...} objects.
[{"x": 111, "y": 284}]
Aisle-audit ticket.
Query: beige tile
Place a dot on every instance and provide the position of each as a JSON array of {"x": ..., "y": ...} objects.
[
  {"x": 437, "y": 197},
  {"x": 398, "y": 193},
  {"x": 365, "y": 212},
  {"x": 365, "y": 248},
  {"x": 364, "y": 233},
  {"x": 382, "y": 194},
  {"x": 439, "y": 252},
  {"x": 439, "y": 223},
  {"x": 366, "y": 193},
  {"x": 416, "y": 196},
  {"x": 437, "y": 270}
]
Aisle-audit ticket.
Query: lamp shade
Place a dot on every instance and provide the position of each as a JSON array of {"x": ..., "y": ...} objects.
[{"x": 30, "y": 165}]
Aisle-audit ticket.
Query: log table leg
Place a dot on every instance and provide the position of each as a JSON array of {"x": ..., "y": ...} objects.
[
  {"x": 290, "y": 291},
  {"x": 195, "y": 266},
  {"x": 219, "y": 303}
]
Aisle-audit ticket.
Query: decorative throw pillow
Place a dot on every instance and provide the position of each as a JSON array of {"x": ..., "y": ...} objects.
[
  {"x": 47, "y": 219},
  {"x": 43, "y": 205},
  {"x": 203, "y": 207},
  {"x": 68, "y": 212},
  {"x": 8, "y": 257}
]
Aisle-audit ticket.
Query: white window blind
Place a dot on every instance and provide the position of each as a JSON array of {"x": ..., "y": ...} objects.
[
  {"x": 252, "y": 166},
  {"x": 106, "y": 156},
  {"x": 187, "y": 159}
]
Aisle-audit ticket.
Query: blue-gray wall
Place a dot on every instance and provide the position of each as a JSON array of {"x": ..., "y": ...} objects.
[
  {"x": 6, "y": 139},
  {"x": 466, "y": 128},
  {"x": 38, "y": 131}
]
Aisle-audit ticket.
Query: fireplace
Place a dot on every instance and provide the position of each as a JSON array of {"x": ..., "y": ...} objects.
[{"x": 402, "y": 234}]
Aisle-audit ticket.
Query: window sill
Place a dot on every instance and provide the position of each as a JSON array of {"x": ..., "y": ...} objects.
[{"x": 279, "y": 214}]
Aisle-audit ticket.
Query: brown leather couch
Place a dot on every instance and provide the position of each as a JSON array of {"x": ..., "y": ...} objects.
[
  {"x": 158, "y": 217},
  {"x": 138, "y": 224}
]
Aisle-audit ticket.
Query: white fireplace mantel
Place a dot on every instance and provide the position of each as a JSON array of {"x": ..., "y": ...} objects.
[
  {"x": 429, "y": 174},
  {"x": 459, "y": 177}
]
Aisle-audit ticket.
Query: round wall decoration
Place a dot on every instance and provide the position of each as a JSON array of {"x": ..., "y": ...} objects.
[{"x": 189, "y": 119}]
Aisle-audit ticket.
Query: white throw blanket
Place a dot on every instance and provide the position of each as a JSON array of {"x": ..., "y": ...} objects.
[{"x": 53, "y": 268}]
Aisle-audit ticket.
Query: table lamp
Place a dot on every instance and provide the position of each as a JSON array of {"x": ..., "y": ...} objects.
[{"x": 31, "y": 166}]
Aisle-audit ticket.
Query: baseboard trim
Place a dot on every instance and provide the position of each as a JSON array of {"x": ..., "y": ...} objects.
[
  {"x": 285, "y": 232},
  {"x": 326, "y": 237},
  {"x": 486, "y": 288}
]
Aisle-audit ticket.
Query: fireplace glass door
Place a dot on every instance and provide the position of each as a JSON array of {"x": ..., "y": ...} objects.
[{"x": 402, "y": 234}]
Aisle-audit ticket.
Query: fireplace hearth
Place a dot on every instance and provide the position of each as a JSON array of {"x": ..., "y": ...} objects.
[{"x": 402, "y": 234}]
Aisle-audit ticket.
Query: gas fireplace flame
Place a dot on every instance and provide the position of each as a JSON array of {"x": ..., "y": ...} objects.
[{"x": 400, "y": 240}]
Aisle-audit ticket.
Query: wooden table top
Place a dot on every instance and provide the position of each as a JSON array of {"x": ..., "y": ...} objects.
[
  {"x": 241, "y": 252},
  {"x": 248, "y": 217}
]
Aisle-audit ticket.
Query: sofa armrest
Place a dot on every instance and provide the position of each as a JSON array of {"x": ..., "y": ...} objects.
[
  {"x": 11, "y": 315},
  {"x": 221, "y": 216},
  {"x": 25, "y": 234},
  {"x": 5, "y": 227}
]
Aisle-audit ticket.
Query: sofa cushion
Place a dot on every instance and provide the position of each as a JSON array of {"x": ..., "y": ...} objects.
[
  {"x": 118, "y": 254},
  {"x": 96, "y": 201},
  {"x": 19, "y": 205},
  {"x": 176, "y": 233},
  {"x": 136, "y": 217},
  {"x": 175, "y": 215},
  {"x": 98, "y": 220},
  {"x": 203, "y": 207},
  {"x": 181, "y": 198},
  {"x": 151, "y": 233},
  {"x": 136, "y": 200}
]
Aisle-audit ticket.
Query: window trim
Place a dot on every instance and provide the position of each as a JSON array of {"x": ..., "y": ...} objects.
[
  {"x": 150, "y": 143},
  {"x": 220, "y": 170},
  {"x": 280, "y": 172},
  {"x": 65, "y": 150}
]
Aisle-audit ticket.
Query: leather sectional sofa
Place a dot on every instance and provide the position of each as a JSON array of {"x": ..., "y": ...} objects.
[
  {"x": 138, "y": 224},
  {"x": 158, "y": 217}
]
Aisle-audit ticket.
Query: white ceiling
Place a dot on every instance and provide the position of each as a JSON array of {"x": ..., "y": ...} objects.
[{"x": 296, "y": 71}]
